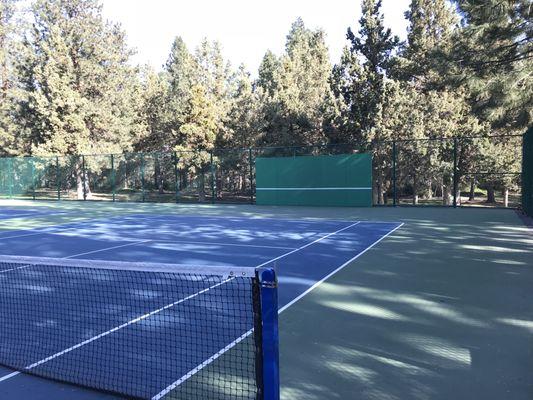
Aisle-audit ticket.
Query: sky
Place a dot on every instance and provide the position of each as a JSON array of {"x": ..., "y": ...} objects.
[{"x": 246, "y": 29}]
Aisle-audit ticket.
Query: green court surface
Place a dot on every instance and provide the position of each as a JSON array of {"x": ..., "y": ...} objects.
[{"x": 439, "y": 309}]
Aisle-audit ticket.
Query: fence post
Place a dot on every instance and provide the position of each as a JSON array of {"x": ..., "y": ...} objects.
[
  {"x": 213, "y": 177},
  {"x": 455, "y": 180},
  {"x": 58, "y": 179},
  {"x": 32, "y": 179},
  {"x": 11, "y": 177},
  {"x": 176, "y": 177},
  {"x": 250, "y": 161},
  {"x": 84, "y": 177},
  {"x": 142, "y": 178},
  {"x": 113, "y": 176},
  {"x": 394, "y": 193}
]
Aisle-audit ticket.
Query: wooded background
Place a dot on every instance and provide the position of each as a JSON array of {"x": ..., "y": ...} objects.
[{"x": 459, "y": 88}]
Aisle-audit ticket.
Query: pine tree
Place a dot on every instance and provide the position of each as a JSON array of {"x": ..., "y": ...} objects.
[
  {"x": 492, "y": 55},
  {"x": 81, "y": 91},
  {"x": 198, "y": 133},
  {"x": 9, "y": 143},
  {"x": 375, "y": 44},
  {"x": 295, "y": 89},
  {"x": 181, "y": 73},
  {"x": 154, "y": 112},
  {"x": 431, "y": 25},
  {"x": 363, "y": 74},
  {"x": 269, "y": 70}
]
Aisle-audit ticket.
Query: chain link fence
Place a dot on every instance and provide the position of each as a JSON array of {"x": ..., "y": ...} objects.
[{"x": 454, "y": 172}]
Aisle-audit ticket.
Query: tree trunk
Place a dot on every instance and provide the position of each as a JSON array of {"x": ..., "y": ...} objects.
[
  {"x": 491, "y": 197},
  {"x": 505, "y": 194},
  {"x": 201, "y": 187},
  {"x": 81, "y": 192},
  {"x": 447, "y": 198},
  {"x": 380, "y": 193},
  {"x": 472, "y": 195}
]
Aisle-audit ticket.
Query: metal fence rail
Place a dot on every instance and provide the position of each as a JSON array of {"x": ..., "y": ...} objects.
[{"x": 451, "y": 172}]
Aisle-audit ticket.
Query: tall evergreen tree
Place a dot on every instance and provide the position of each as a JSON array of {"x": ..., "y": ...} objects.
[
  {"x": 81, "y": 92},
  {"x": 362, "y": 82},
  {"x": 181, "y": 73},
  {"x": 8, "y": 140},
  {"x": 492, "y": 56},
  {"x": 296, "y": 89},
  {"x": 431, "y": 25},
  {"x": 375, "y": 44}
]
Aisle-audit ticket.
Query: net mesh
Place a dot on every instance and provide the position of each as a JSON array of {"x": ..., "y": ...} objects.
[{"x": 143, "y": 331}]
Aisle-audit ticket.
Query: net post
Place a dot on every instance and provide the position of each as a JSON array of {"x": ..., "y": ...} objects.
[
  {"x": 213, "y": 177},
  {"x": 269, "y": 334},
  {"x": 113, "y": 176},
  {"x": 176, "y": 177},
  {"x": 250, "y": 161},
  {"x": 455, "y": 172},
  {"x": 394, "y": 180},
  {"x": 84, "y": 177},
  {"x": 58, "y": 179}
]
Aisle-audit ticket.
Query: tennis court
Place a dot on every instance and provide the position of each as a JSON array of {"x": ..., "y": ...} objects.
[
  {"x": 155, "y": 301},
  {"x": 303, "y": 252}
]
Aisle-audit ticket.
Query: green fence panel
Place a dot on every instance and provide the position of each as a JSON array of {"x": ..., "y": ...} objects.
[
  {"x": 527, "y": 173},
  {"x": 331, "y": 180}
]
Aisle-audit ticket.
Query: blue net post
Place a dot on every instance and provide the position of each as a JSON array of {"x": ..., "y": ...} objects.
[{"x": 270, "y": 337}]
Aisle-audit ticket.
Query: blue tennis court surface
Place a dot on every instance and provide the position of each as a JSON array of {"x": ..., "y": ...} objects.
[
  {"x": 303, "y": 252},
  {"x": 8, "y": 213}
]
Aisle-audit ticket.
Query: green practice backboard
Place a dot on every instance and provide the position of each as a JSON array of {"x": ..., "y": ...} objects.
[{"x": 331, "y": 180}]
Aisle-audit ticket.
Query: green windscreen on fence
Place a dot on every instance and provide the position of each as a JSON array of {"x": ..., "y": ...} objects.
[
  {"x": 329, "y": 180},
  {"x": 527, "y": 173}
]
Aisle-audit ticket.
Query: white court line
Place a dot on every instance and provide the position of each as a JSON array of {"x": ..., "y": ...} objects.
[
  {"x": 223, "y": 244},
  {"x": 56, "y": 228},
  {"x": 307, "y": 245},
  {"x": 229, "y": 346},
  {"x": 337, "y": 270},
  {"x": 205, "y": 363},
  {"x": 81, "y": 254},
  {"x": 13, "y": 374},
  {"x": 115, "y": 329},
  {"x": 124, "y": 325}
]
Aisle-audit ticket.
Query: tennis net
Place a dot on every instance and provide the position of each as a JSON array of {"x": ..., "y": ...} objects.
[{"x": 147, "y": 331}]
